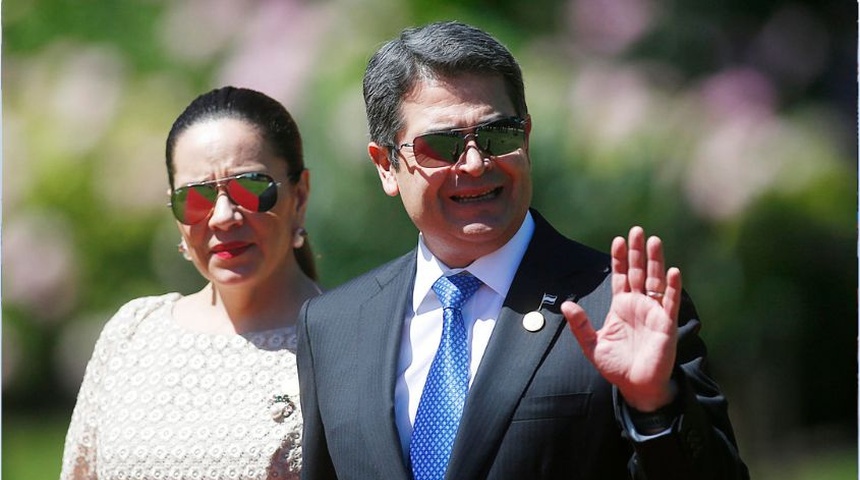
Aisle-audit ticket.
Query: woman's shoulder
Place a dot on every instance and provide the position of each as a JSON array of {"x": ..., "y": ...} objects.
[
  {"x": 144, "y": 305},
  {"x": 135, "y": 312}
]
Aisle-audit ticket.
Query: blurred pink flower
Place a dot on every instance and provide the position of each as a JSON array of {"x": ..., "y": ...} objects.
[
  {"x": 195, "y": 31},
  {"x": 609, "y": 26},
  {"x": 740, "y": 92},
  {"x": 731, "y": 168},
  {"x": 733, "y": 163},
  {"x": 86, "y": 96},
  {"x": 613, "y": 103},
  {"x": 66, "y": 98},
  {"x": 277, "y": 48},
  {"x": 39, "y": 268}
]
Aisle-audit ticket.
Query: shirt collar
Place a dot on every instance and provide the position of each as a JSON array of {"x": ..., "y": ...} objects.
[{"x": 496, "y": 269}]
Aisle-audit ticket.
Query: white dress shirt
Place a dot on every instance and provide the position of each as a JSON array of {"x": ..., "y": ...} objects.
[{"x": 423, "y": 321}]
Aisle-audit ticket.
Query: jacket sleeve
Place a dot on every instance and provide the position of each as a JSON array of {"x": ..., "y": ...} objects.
[
  {"x": 316, "y": 461},
  {"x": 699, "y": 442}
]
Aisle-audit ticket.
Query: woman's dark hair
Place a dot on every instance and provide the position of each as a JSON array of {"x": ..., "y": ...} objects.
[{"x": 267, "y": 115}]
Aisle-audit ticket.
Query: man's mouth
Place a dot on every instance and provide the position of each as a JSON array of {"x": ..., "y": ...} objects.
[{"x": 478, "y": 197}]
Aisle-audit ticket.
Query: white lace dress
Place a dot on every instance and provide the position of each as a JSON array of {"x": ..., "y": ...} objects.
[{"x": 160, "y": 402}]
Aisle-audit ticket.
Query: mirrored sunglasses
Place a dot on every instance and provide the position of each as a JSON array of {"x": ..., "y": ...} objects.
[
  {"x": 192, "y": 203},
  {"x": 443, "y": 149}
]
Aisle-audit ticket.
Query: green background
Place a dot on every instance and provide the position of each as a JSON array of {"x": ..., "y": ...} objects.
[{"x": 728, "y": 128}]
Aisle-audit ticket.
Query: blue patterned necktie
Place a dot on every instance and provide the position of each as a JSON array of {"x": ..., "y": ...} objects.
[{"x": 447, "y": 383}]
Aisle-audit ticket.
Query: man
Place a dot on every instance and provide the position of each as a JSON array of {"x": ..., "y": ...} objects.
[{"x": 416, "y": 370}]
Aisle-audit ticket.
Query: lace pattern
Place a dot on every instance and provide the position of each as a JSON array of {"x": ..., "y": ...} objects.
[{"x": 160, "y": 402}]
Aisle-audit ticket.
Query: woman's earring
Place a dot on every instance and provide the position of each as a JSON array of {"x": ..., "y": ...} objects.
[
  {"x": 183, "y": 249},
  {"x": 299, "y": 237}
]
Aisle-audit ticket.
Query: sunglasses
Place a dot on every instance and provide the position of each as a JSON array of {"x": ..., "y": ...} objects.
[
  {"x": 443, "y": 149},
  {"x": 192, "y": 203}
]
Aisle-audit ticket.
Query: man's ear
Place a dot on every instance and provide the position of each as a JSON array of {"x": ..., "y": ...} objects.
[
  {"x": 379, "y": 155},
  {"x": 528, "y": 128}
]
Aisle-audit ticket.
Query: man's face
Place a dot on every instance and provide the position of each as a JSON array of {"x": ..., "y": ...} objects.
[{"x": 471, "y": 208}]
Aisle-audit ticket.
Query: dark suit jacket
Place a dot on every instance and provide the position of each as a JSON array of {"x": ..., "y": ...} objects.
[{"x": 536, "y": 409}]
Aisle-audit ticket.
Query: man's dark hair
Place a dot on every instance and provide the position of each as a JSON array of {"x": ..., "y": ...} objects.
[{"x": 442, "y": 49}]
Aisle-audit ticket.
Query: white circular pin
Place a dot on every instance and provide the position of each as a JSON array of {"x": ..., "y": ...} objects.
[{"x": 533, "y": 321}]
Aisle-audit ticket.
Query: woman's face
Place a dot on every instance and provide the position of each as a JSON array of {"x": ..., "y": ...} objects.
[{"x": 234, "y": 246}]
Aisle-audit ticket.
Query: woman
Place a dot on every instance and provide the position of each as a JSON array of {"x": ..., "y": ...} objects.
[{"x": 205, "y": 385}]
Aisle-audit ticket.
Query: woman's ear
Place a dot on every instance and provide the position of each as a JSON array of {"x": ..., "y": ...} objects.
[
  {"x": 384, "y": 167},
  {"x": 302, "y": 190}
]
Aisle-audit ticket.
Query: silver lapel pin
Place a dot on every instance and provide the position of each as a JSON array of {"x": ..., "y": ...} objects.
[{"x": 534, "y": 321}]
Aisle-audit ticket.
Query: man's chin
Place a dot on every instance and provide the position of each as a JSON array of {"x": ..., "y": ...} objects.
[
  {"x": 489, "y": 228},
  {"x": 484, "y": 237}
]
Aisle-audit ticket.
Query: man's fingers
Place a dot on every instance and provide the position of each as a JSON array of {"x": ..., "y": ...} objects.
[
  {"x": 636, "y": 259},
  {"x": 656, "y": 279},
  {"x": 672, "y": 297},
  {"x": 581, "y": 327},
  {"x": 619, "y": 266}
]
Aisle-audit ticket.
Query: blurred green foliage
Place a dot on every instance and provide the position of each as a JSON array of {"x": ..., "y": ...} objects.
[{"x": 726, "y": 128}]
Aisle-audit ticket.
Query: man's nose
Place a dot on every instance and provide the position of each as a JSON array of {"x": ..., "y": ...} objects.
[{"x": 473, "y": 160}]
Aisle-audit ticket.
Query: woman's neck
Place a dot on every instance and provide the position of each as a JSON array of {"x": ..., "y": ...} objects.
[{"x": 244, "y": 309}]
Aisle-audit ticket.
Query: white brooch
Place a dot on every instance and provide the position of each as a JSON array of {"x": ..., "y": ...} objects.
[
  {"x": 281, "y": 407},
  {"x": 534, "y": 321}
]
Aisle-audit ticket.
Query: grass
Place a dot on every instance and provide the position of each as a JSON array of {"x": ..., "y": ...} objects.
[
  {"x": 33, "y": 446},
  {"x": 836, "y": 464}
]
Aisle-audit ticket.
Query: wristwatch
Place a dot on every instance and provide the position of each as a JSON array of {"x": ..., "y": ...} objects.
[{"x": 650, "y": 423}]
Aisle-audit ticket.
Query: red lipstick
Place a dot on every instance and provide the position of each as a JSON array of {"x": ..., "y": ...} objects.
[{"x": 230, "y": 249}]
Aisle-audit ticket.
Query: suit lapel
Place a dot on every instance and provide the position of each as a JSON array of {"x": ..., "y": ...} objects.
[
  {"x": 506, "y": 369},
  {"x": 513, "y": 354},
  {"x": 379, "y": 333}
]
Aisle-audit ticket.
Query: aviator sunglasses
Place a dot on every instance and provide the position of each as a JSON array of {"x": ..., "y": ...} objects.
[
  {"x": 444, "y": 148},
  {"x": 192, "y": 203}
]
